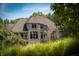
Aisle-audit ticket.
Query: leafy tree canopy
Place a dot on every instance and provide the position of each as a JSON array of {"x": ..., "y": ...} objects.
[
  {"x": 69, "y": 16},
  {"x": 38, "y": 13},
  {"x": 1, "y": 22},
  {"x": 13, "y": 21}
]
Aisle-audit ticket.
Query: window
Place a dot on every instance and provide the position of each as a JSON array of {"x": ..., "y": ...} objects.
[
  {"x": 41, "y": 35},
  {"x": 34, "y": 35},
  {"x": 41, "y": 26},
  {"x": 33, "y": 25},
  {"x": 25, "y": 27},
  {"x": 21, "y": 34}
]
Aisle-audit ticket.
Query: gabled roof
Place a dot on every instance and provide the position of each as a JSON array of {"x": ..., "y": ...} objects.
[
  {"x": 18, "y": 27},
  {"x": 43, "y": 20},
  {"x": 9, "y": 26}
]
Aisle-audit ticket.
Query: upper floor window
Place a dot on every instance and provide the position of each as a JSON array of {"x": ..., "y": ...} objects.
[
  {"x": 33, "y": 25},
  {"x": 43, "y": 27},
  {"x": 25, "y": 28}
]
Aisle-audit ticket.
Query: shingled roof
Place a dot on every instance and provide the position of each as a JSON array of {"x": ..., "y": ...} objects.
[
  {"x": 43, "y": 20},
  {"x": 9, "y": 26},
  {"x": 18, "y": 27}
]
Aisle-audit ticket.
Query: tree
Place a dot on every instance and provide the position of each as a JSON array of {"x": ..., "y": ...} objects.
[
  {"x": 1, "y": 22},
  {"x": 49, "y": 15},
  {"x": 6, "y": 21},
  {"x": 55, "y": 18},
  {"x": 13, "y": 21},
  {"x": 69, "y": 14},
  {"x": 38, "y": 13}
]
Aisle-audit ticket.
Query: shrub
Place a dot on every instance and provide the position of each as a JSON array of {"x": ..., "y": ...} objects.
[
  {"x": 67, "y": 46},
  {"x": 12, "y": 51},
  {"x": 64, "y": 47},
  {"x": 36, "y": 49},
  {"x": 9, "y": 38},
  {"x": 71, "y": 47}
]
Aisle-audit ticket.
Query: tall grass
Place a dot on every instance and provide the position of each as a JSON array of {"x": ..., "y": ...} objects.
[
  {"x": 12, "y": 51},
  {"x": 67, "y": 46}
]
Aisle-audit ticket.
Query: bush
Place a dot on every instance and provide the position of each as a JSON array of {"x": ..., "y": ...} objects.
[
  {"x": 64, "y": 47},
  {"x": 8, "y": 38},
  {"x": 12, "y": 51},
  {"x": 67, "y": 46},
  {"x": 71, "y": 47},
  {"x": 36, "y": 49},
  {"x": 57, "y": 48}
]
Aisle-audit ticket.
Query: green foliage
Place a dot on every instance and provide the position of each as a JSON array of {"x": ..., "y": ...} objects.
[
  {"x": 54, "y": 18},
  {"x": 8, "y": 38},
  {"x": 12, "y": 51},
  {"x": 6, "y": 21},
  {"x": 60, "y": 47},
  {"x": 66, "y": 46},
  {"x": 36, "y": 49},
  {"x": 38, "y": 14},
  {"x": 69, "y": 14},
  {"x": 13, "y": 21},
  {"x": 1, "y": 22}
]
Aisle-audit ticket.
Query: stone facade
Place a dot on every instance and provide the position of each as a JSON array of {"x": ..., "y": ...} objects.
[
  {"x": 37, "y": 33},
  {"x": 36, "y": 28}
]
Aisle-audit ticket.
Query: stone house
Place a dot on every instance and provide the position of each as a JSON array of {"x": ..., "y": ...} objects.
[{"x": 35, "y": 28}]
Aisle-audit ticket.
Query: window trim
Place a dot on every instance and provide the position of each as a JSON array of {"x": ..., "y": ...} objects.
[
  {"x": 34, "y": 35},
  {"x": 34, "y": 26}
]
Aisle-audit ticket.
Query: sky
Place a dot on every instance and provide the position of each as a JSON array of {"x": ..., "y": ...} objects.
[{"x": 22, "y": 10}]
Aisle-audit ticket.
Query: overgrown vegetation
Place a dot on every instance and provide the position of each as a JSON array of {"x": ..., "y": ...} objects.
[
  {"x": 67, "y": 46},
  {"x": 66, "y": 16}
]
